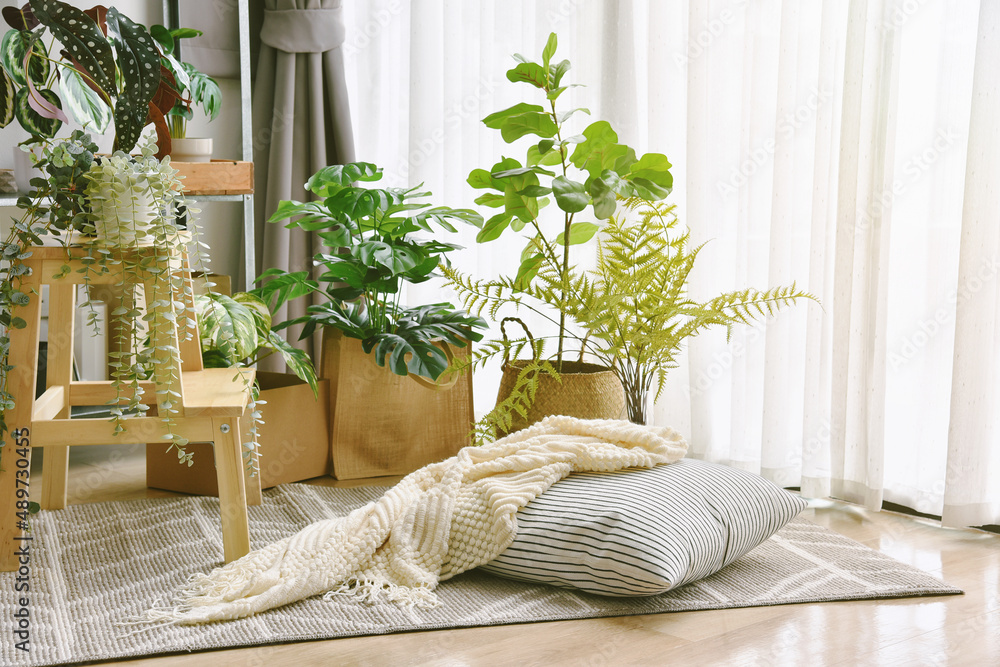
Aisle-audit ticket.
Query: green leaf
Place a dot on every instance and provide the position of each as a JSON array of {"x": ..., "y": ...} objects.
[
  {"x": 163, "y": 37},
  {"x": 329, "y": 180},
  {"x": 558, "y": 72},
  {"x": 527, "y": 271},
  {"x": 140, "y": 71},
  {"x": 30, "y": 120},
  {"x": 14, "y": 48},
  {"x": 549, "y": 158},
  {"x": 535, "y": 191},
  {"x": 537, "y": 123},
  {"x": 494, "y": 227},
  {"x": 523, "y": 207},
  {"x": 549, "y": 50},
  {"x": 571, "y": 196},
  {"x": 579, "y": 232},
  {"x": 599, "y": 135},
  {"x": 496, "y": 120},
  {"x": 7, "y": 94},
  {"x": 284, "y": 286},
  {"x": 227, "y": 326},
  {"x": 396, "y": 258},
  {"x": 84, "y": 41},
  {"x": 298, "y": 361},
  {"x": 490, "y": 199},
  {"x": 259, "y": 309},
  {"x": 532, "y": 73},
  {"x": 563, "y": 117},
  {"x": 653, "y": 168},
  {"x": 481, "y": 179},
  {"x": 84, "y": 102},
  {"x": 185, "y": 33},
  {"x": 603, "y": 196}
]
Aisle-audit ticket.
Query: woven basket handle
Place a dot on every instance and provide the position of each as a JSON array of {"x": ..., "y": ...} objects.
[
  {"x": 439, "y": 386},
  {"x": 503, "y": 334}
]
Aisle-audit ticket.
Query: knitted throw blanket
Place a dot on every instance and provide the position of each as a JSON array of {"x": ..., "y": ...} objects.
[{"x": 437, "y": 522}]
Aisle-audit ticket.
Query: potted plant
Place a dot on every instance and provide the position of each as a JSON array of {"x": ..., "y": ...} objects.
[
  {"x": 371, "y": 252},
  {"x": 634, "y": 307},
  {"x": 290, "y": 424},
  {"x": 581, "y": 173},
  {"x": 595, "y": 173},
  {"x": 193, "y": 88},
  {"x": 107, "y": 68}
]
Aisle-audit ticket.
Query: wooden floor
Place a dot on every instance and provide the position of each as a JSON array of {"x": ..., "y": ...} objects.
[{"x": 953, "y": 630}]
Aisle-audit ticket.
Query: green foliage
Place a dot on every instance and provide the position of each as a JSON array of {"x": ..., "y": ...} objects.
[
  {"x": 634, "y": 308},
  {"x": 105, "y": 61},
  {"x": 193, "y": 86},
  {"x": 371, "y": 253},
  {"x": 598, "y": 170},
  {"x": 236, "y": 332}
]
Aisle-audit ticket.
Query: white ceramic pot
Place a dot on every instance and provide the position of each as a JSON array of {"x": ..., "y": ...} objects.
[
  {"x": 191, "y": 149},
  {"x": 123, "y": 218},
  {"x": 25, "y": 169}
]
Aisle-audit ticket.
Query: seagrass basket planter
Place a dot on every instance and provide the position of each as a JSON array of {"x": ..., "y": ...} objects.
[{"x": 584, "y": 390}]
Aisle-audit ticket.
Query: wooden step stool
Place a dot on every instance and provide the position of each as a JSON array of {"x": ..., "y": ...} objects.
[{"x": 212, "y": 401}]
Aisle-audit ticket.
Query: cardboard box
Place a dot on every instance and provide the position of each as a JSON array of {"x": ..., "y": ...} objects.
[{"x": 294, "y": 441}]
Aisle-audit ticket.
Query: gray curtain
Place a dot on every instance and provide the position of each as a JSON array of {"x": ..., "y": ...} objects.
[{"x": 301, "y": 123}]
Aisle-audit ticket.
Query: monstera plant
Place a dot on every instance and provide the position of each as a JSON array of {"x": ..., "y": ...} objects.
[
  {"x": 107, "y": 68},
  {"x": 371, "y": 252}
]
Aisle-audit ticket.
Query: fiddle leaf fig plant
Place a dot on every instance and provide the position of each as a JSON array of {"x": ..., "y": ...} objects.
[
  {"x": 371, "y": 252},
  {"x": 590, "y": 171}
]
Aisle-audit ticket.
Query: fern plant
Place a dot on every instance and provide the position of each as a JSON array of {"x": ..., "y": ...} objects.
[{"x": 634, "y": 307}]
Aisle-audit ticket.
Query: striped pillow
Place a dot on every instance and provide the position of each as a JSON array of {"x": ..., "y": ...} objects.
[{"x": 643, "y": 531}]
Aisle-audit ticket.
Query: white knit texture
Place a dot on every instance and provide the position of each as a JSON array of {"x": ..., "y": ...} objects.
[{"x": 437, "y": 522}]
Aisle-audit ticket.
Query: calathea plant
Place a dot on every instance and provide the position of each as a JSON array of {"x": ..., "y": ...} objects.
[
  {"x": 372, "y": 251},
  {"x": 105, "y": 65}
]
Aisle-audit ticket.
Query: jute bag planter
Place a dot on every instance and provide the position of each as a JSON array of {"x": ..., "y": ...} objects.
[
  {"x": 583, "y": 390},
  {"x": 387, "y": 424}
]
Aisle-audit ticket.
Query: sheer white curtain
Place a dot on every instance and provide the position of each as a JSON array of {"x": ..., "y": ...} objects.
[{"x": 827, "y": 143}]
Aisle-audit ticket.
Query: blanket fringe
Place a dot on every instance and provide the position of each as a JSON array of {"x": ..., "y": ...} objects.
[{"x": 377, "y": 590}]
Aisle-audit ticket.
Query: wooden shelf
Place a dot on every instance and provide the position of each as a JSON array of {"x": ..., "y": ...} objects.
[{"x": 218, "y": 177}]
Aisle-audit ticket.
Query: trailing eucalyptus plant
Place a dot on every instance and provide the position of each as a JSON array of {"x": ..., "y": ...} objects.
[
  {"x": 106, "y": 66},
  {"x": 591, "y": 170},
  {"x": 55, "y": 206},
  {"x": 371, "y": 252}
]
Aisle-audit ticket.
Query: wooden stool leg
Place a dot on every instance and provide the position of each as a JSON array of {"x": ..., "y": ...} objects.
[
  {"x": 21, "y": 385},
  {"x": 252, "y": 484},
  {"x": 232, "y": 488},
  {"x": 55, "y": 462}
]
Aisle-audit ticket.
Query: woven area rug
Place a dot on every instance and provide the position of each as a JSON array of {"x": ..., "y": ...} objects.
[{"x": 93, "y": 566}]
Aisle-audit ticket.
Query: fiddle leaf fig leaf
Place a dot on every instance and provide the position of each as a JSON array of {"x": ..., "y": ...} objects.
[
  {"x": 549, "y": 50},
  {"x": 579, "y": 232},
  {"x": 654, "y": 168},
  {"x": 532, "y": 73},
  {"x": 494, "y": 227},
  {"x": 571, "y": 196},
  {"x": 140, "y": 71}
]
